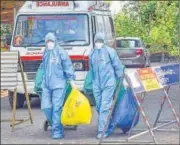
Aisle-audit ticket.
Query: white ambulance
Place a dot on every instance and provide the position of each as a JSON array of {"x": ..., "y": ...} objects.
[{"x": 74, "y": 24}]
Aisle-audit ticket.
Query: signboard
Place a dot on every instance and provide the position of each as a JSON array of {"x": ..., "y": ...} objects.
[
  {"x": 135, "y": 82},
  {"x": 148, "y": 79},
  {"x": 53, "y": 4},
  {"x": 167, "y": 74},
  {"x": 151, "y": 79}
]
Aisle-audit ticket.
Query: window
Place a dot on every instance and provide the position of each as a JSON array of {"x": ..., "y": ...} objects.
[
  {"x": 112, "y": 26},
  {"x": 100, "y": 24},
  {"x": 128, "y": 43},
  {"x": 70, "y": 29},
  {"x": 108, "y": 28},
  {"x": 93, "y": 24}
]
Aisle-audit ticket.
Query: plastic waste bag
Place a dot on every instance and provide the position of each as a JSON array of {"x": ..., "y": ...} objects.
[
  {"x": 88, "y": 84},
  {"x": 68, "y": 91},
  {"x": 38, "y": 81},
  {"x": 76, "y": 110},
  {"x": 121, "y": 93},
  {"x": 125, "y": 110},
  {"x": 88, "y": 90}
]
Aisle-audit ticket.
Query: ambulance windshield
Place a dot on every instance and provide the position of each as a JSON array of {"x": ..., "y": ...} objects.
[{"x": 70, "y": 29}]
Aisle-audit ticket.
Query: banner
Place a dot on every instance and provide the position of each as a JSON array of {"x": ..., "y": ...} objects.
[
  {"x": 167, "y": 74},
  {"x": 151, "y": 79},
  {"x": 148, "y": 79}
]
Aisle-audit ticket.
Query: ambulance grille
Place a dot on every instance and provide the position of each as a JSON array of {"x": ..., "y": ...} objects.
[
  {"x": 31, "y": 76},
  {"x": 31, "y": 66}
]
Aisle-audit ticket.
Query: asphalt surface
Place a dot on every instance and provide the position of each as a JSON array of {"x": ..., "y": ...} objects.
[{"x": 34, "y": 134}]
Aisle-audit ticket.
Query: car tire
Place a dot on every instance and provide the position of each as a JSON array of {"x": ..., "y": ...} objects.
[
  {"x": 143, "y": 65},
  {"x": 147, "y": 64},
  {"x": 20, "y": 100}
]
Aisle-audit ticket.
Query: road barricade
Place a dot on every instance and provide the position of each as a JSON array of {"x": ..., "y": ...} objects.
[
  {"x": 146, "y": 80},
  {"x": 10, "y": 61}
]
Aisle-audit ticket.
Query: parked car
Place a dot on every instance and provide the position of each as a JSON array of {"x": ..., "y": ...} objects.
[{"x": 133, "y": 52}]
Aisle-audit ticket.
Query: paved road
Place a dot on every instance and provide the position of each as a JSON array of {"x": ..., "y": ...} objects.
[{"x": 34, "y": 134}]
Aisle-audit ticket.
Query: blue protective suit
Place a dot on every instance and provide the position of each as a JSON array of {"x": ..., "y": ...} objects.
[
  {"x": 58, "y": 69},
  {"x": 105, "y": 68}
]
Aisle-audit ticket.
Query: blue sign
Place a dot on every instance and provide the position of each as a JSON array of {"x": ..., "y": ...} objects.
[{"x": 168, "y": 74}]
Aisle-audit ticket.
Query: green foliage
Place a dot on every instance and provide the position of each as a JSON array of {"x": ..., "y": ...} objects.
[
  {"x": 3, "y": 49},
  {"x": 156, "y": 22},
  {"x": 5, "y": 29}
]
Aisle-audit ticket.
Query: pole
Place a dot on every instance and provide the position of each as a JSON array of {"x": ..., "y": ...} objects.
[{"x": 14, "y": 13}]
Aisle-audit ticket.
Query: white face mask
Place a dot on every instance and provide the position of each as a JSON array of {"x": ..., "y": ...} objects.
[
  {"x": 50, "y": 45},
  {"x": 99, "y": 45}
]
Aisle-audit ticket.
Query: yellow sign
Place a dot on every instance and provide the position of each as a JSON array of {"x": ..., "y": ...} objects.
[{"x": 148, "y": 79}]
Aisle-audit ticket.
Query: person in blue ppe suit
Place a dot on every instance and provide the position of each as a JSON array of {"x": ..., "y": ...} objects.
[
  {"x": 106, "y": 69},
  {"x": 58, "y": 69}
]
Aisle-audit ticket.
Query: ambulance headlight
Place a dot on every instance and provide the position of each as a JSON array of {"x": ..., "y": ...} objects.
[{"x": 78, "y": 66}]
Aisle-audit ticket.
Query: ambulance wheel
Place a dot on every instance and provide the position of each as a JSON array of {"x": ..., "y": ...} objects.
[
  {"x": 20, "y": 100},
  {"x": 46, "y": 124}
]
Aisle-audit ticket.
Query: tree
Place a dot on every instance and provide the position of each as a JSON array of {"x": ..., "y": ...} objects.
[{"x": 156, "y": 22}]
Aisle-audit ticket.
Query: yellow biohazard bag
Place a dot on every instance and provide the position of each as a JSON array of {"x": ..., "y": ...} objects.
[{"x": 76, "y": 110}]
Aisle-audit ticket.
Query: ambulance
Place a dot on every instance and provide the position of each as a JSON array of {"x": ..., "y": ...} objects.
[{"x": 73, "y": 22}]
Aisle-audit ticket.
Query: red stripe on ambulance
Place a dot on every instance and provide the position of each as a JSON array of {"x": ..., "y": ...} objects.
[{"x": 32, "y": 58}]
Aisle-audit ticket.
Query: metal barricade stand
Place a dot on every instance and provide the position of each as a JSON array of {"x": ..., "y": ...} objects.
[
  {"x": 9, "y": 79},
  {"x": 150, "y": 129}
]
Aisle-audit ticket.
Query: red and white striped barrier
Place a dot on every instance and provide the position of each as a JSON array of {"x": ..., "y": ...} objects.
[{"x": 146, "y": 80}]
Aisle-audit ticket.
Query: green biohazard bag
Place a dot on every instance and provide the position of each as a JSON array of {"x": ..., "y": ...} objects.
[
  {"x": 68, "y": 91},
  {"x": 88, "y": 84},
  {"x": 121, "y": 92},
  {"x": 38, "y": 81}
]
